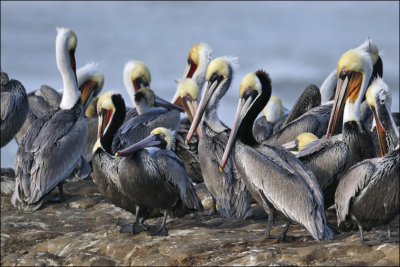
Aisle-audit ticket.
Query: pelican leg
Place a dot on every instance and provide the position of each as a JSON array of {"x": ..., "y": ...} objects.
[
  {"x": 162, "y": 231},
  {"x": 365, "y": 241},
  {"x": 129, "y": 226},
  {"x": 389, "y": 238},
  {"x": 282, "y": 235},
  {"x": 269, "y": 225},
  {"x": 52, "y": 199}
]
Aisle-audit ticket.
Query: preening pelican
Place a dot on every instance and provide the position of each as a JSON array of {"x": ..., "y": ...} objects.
[
  {"x": 53, "y": 146},
  {"x": 188, "y": 153},
  {"x": 197, "y": 61},
  {"x": 300, "y": 143},
  {"x": 275, "y": 177},
  {"x": 330, "y": 157},
  {"x": 227, "y": 187},
  {"x": 14, "y": 108},
  {"x": 136, "y": 76},
  {"x": 157, "y": 177},
  {"x": 368, "y": 193},
  {"x": 47, "y": 100}
]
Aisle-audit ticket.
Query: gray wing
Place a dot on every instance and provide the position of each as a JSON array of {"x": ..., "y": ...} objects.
[
  {"x": 311, "y": 97},
  {"x": 130, "y": 113},
  {"x": 355, "y": 180},
  {"x": 7, "y": 105},
  {"x": 173, "y": 170},
  {"x": 262, "y": 129},
  {"x": 51, "y": 96},
  {"x": 326, "y": 159},
  {"x": 287, "y": 190},
  {"x": 306, "y": 123},
  {"x": 55, "y": 151}
]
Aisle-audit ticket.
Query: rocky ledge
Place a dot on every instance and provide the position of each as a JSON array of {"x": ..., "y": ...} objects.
[{"x": 83, "y": 231}]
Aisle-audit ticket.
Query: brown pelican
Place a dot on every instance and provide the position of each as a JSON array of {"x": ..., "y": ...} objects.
[
  {"x": 227, "y": 188},
  {"x": 316, "y": 120},
  {"x": 188, "y": 153},
  {"x": 136, "y": 76},
  {"x": 187, "y": 94},
  {"x": 106, "y": 170},
  {"x": 197, "y": 61},
  {"x": 14, "y": 108},
  {"x": 92, "y": 121},
  {"x": 271, "y": 173},
  {"x": 274, "y": 114},
  {"x": 328, "y": 86},
  {"x": 153, "y": 112},
  {"x": 46, "y": 99},
  {"x": 330, "y": 157},
  {"x": 368, "y": 193},
  {"x": 156, "y": 178},
  {"x": 53, "y": 146}
]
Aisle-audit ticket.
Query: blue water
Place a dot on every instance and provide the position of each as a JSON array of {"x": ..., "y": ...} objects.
[{"x": 297, "y": 43}]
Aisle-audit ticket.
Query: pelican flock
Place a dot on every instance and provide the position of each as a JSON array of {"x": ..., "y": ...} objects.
[{"x": 336, "y": 148}]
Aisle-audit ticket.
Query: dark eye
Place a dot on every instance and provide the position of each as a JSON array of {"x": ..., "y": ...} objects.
[
  {"x": 189, "y": 61},
  {"x": 214, "y": 77}
]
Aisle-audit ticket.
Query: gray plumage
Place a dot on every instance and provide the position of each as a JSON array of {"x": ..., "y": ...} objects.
[
  {"x": 329, "y": 158},
  {"x": 226, "y": 187},
  {"x": 163, "y": 172},
  {"x": 310, "y": 98},
  {"x": 188, "y": 152},
  {"x": 262, "y": 129},
  {"x": 139, "y": 127},
  {"x": 47, "y": 155},
  {"x": 368, "y": 193},
  {"x": 272, "y": 175},
  {"x": 14, "y": 108},
  {"x": 314, "y": 121}
]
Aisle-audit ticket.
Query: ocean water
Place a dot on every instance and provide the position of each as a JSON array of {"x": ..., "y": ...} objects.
[{"x": 297, "y": 43}]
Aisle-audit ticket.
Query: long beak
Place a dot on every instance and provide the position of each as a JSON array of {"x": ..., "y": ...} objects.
[
  {"x": 87, "y": 92},
  {"x": 190, "y": 107},
  {"x": 73, "y": 62},
  {"x": 105, "y": 116},
  {"x": 381, "y": 133},
  {"x": 232, "y": 136},
  {"x": 200, "y": 111},
  {"x": 149, "y": 141},
  {"x": 177, "y": 100},
  {"x": 349, "y": 86},
  {"x": 159, "y": 102}
]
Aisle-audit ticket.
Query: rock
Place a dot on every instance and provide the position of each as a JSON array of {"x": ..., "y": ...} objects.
[
  {"x": 7, "y": 185},
  {"x": 83, "y": 231}
]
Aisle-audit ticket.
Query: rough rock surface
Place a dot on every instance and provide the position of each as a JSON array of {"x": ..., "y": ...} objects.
[{"x": 83, "y": 231}]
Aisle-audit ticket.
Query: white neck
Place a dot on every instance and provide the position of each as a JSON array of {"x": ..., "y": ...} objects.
[
  {"x": 128, "y": 83},
  {"x": 71, "y": 93},
  {"x": 328, "y": 86}
]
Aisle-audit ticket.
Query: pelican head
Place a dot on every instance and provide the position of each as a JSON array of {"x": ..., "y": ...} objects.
[
  {"x": 274, "y": 109},
  {"x": 111, "y": 110},
  {"x": 197, "y": 61},
  {"x": 189, "y": 93},
  {"x": 300, "y": 142},
  {"x": 136, "y": 76},
  {"x": 145, "y": 100},
  {"x": 90, "y": 82},
  {"x": 218, "y": 77},
  {"x": 354, "y": 70},
  {"x": 160, "y": 137},
  {"x": 372, "y": 49},
  {"x": 379, "y": 100},
  {"x": 66, "y": 43},
  {"x": 254, "y": 93}
]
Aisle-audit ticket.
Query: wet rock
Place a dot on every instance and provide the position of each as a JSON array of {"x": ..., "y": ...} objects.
[{"x": 83, "y": 231}]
